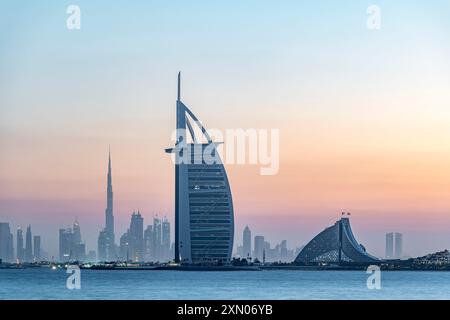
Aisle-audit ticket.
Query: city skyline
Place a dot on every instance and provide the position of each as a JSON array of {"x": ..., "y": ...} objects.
[
  {"x": 72, "y": 247},
  {"x": 134, "y": 244},
  {"x": 363, "y": 121}
]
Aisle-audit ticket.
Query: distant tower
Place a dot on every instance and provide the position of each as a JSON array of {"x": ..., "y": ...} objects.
[
  {"x": 6, "y": 245},
  {"x": 103, "y": 246},
  {"x": 109, "y": 216},
  {"x": 79, "y": 248},
  {"x": 37, "y": 247},
  {"x": 106, "y": 249},
  {"x": 247, "y": 243},
  {"x": 20, "y": 249},
  {"x": 124, "y": 246},
  {"x": 148, "y": 243},
  {"x": 259, "y": 247},
  {"x": 11, "y": 247},
  {"x": 157, "y": 239},
  {"x": 398, "y": 245},
  {"x": 136, "y": 238},
  {"x": 165, "y": 240},
  {"x": 28, "y": 246},
  {"x": 65, "y": 244},
  {"x": 389, "y": 245},
  {"x": 76, "y": 233},
  {"x": 394, "y": 245}
]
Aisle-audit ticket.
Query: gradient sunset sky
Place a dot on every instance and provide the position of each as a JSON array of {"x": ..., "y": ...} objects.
[{"x": 364, "y": 116}]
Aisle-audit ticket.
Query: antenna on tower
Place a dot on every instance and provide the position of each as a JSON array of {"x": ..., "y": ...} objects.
[{"x": 179, "y": 86}]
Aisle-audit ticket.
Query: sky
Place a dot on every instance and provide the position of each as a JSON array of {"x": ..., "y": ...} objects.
[{"x": 363, "y": 114}]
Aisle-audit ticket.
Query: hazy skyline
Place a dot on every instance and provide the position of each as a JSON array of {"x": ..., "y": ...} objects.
[{"x": 363, "y": 115}]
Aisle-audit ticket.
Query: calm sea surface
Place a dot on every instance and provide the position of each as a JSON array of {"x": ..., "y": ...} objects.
[{"x": 270, "y": 284}]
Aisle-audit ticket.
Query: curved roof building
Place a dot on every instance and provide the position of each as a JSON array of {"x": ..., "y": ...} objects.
[
  {"x": 335, "y": 244},
  {"x": 204, "y": 223}
]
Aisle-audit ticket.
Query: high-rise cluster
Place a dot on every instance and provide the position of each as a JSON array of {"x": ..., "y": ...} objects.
[
  {"x": 263, "y": 251},
  {"x": 135, "y": 244},
  {"x": 24, "y": 249},
  {"x": 153, "y": 244},
  {"x": 71, "y": 247}
]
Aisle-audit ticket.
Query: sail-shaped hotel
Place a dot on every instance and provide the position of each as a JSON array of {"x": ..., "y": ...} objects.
[{"x": 204, "y": 219}]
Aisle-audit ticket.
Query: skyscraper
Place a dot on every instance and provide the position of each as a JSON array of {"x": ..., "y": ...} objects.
[
  {"x": 398, "y": 245},
  {"x": 106, "y": 242},
  {"x": 247, "y": 243},
  {"x": 37, "y": 247},
  {"x": 11, "y": 247},
  {"x": 157, "y": 239},
  {"x": 6, "y": 245},
  {"x": 266, "y": 250},
  {"x": 20, "y": 249},
  {"x": 259, "y": 247},
  {"x": 389, "y": 245},
  {"x": 28, "y": 246},
  {"x": 103, "y": 245},
  {"x": 124, "y": 246},
  {"x": 76, "y": 232},
  {"x": 109, "y": 217},
  {"x": 204, "y": 220},
  {"x": 136, "y": 237},
  {"x": 65, "y": 245},
  {"x": 165, "y": 240},
  {"x": 78, "y": 247},
  {"x": 148, "y": 243},
  {"x": 71, "y": 246},
  {"x": 394, "y": 245}
]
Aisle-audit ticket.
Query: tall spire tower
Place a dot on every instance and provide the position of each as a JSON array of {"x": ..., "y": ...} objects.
[
  {"x": 106, "y": 248},
  {"x": 109, "y": 226}
]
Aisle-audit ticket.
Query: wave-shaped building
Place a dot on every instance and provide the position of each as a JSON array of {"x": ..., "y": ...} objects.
[
  {"x": 204, "y": 222},
  {"x": 336, "y": 244}
]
